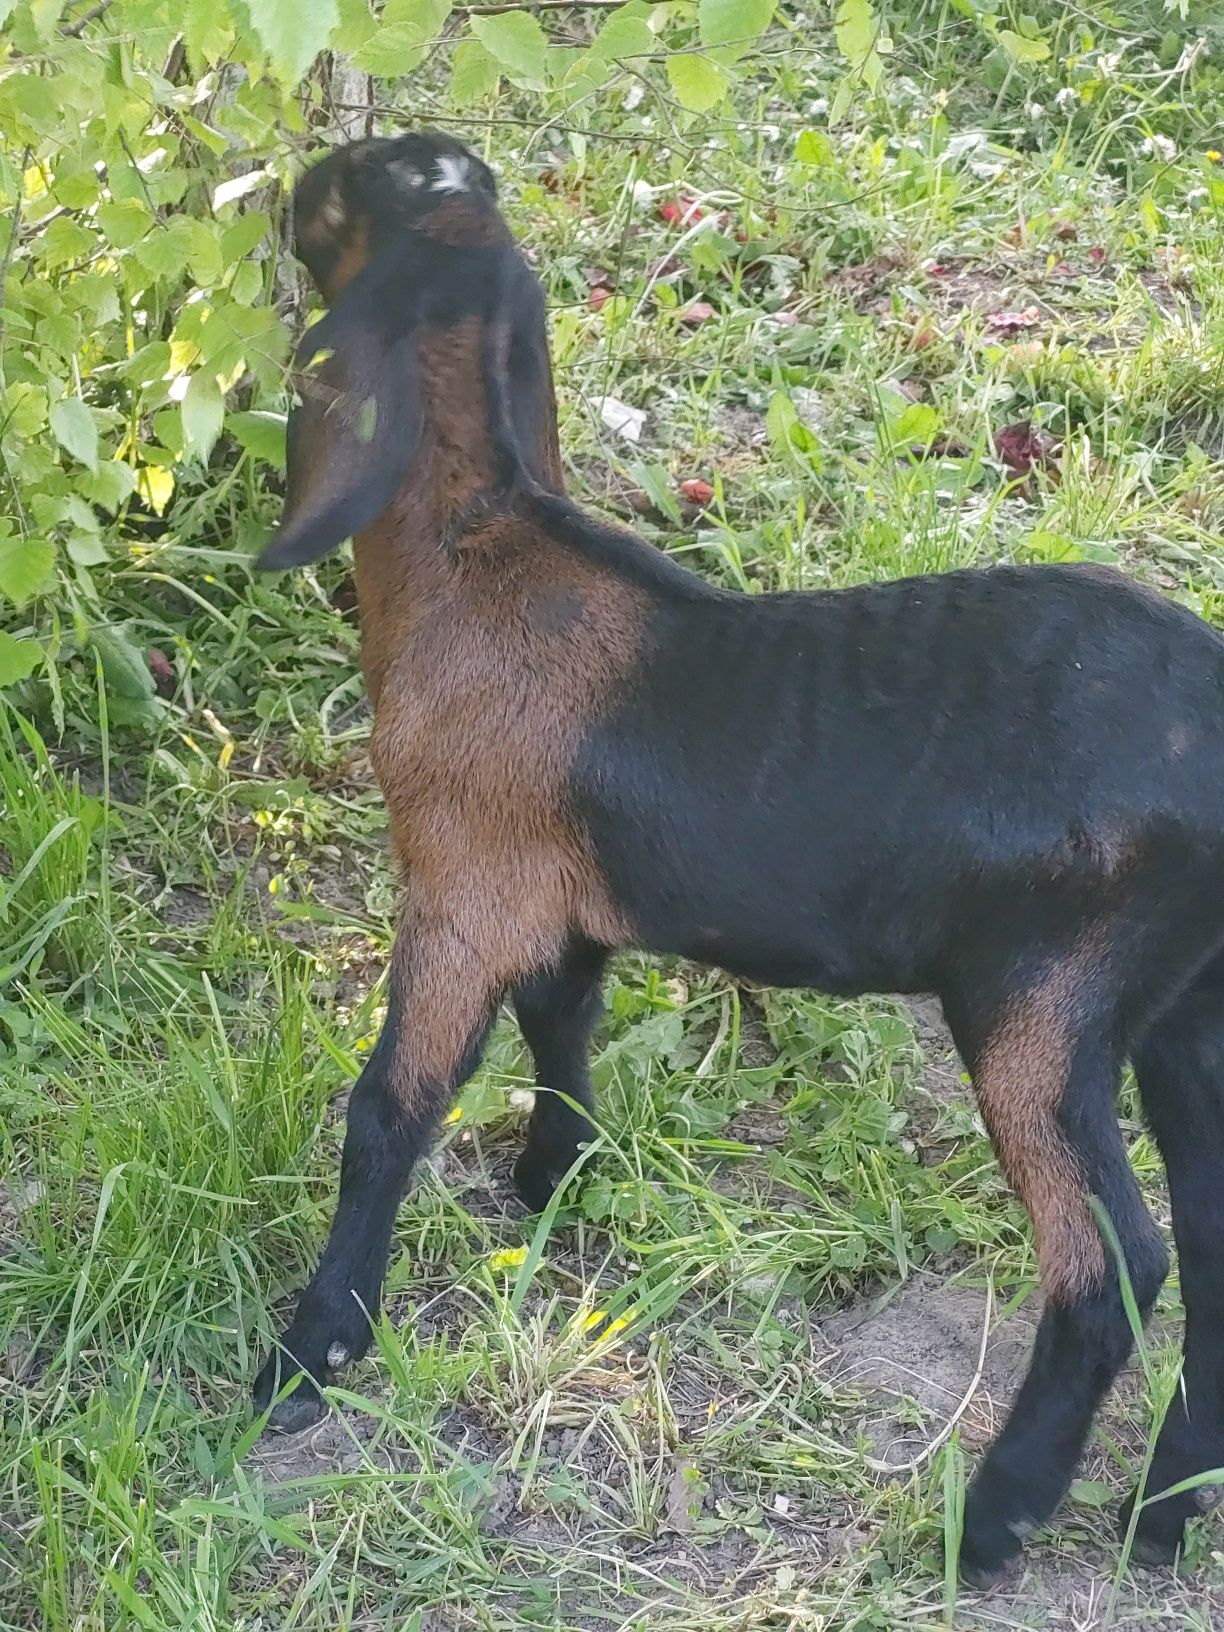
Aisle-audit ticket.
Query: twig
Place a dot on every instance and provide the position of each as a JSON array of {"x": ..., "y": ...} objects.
[
  {"x": 879, "y": 1465},
  {"x": 538, "y": 5},
  {"x": 12, "y": 237},
  {"x": 139, "y": 174},
  {"x": 75, "y": 30}
]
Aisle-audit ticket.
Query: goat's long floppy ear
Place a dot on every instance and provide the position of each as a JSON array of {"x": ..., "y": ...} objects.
[{"x": 353, "y": 432}]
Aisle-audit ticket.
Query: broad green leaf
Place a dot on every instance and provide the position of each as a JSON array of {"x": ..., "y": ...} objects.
[
  {"x": 814, "y": 147},
  {"x": 474, "y": 73},
  {"x": 25, "y": 408},
  {"x": 212, "y": 139},
  {"x": 261, "y": 433},
  {"x": 1021, "y": 49},
  {"x": 207, "y": 30},
  {"x": 96, "y": 296},
  {"x": 162, "y": 253},
  {"x": 625, "y": 34},
  {"x": 517, "y": 43},
  {"x": 356, "y": 26},
  {"x": 241, "y": 237},
  {"x": 203, "y": 240},
  {"x": 203, "y": 414},
  {"x": 699, "y": 84},
  {"x": 44, "y": 14},
  {"x": 293, "y": 32},
  {"x": 33, "y": 98},
  {"x": 920, "y": 422},
  {"x": 110, "y": 484},
  {"x": 123, "y": 663},
  {"x": 18, "y": 658},
  {"x": 253, "y": 335},
  {"x": 63, "y": 242},
  {"x": 86, "y": 550},
  {"x": 781, "y": 419},
  {"x": 73, "y": 427},
  {"x": 246, "y": 285},
  {"x": 856, "y": 30},
  {"x": 25, "y": 566},
  {"x": 724, "y": 22},
  {"x": 406, "y": 30}
]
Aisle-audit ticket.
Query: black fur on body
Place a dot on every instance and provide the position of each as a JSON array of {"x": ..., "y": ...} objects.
[{"x": 1005, "y": 787}]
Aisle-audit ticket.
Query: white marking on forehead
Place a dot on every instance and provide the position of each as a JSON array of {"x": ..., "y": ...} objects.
[{"x": 452, "y": 174}]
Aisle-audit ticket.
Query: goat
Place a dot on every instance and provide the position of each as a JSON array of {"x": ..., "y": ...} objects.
[{"x": 1005, "y": 787}]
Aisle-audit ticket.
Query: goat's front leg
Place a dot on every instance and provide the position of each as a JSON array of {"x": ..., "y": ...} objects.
[{"x": 439, "y": 1010}]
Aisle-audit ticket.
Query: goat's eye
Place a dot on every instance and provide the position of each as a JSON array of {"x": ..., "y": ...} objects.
[
  {"x": 332, "y": 210},
  {"x": 407, "y": 175}
]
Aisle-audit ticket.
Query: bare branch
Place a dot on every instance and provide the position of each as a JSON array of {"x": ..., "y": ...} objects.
[{"x": 75, "y": 30}]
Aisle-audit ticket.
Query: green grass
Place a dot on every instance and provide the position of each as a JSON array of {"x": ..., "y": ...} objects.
[{"x": 640, "y": 1413}]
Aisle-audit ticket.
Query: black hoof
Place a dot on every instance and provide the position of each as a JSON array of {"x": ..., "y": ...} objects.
[
  {"x": 300, "y": 1409},
  {"x": 297, "y": 1411},
  {"x": 536, "y": 1180},
  {"x": 1159, "y": 1532},
  {"x": 977, "y": 1577},
  {"x": 993, "y": 1537},
  {"x": 986, "y": 1559}
]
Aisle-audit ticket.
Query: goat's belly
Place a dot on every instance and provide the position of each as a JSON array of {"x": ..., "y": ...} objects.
[{"x": 844, "y": 967}]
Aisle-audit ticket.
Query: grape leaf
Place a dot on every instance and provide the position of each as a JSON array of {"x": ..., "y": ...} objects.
[
  {"x": 74, "y": 429},
  {"x": 293, "y": 32}
]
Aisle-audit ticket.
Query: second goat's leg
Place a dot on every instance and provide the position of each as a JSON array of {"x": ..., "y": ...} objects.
[{"x": 1180, "y": 1067}]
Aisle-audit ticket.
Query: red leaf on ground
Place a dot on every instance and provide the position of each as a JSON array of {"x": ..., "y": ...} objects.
[
  {"x": 698, "y": 312},
  {"x": 1024, "y": 447},
  {"x": 922, "y": 337},
  {"x": 161, "y": 668},
  {"x": 1009, "y": 322},
  {"x": 599, "y": 297},
  {"x": 1096, "y": 255},
  {"x": 681, "y": 211},
  {"x": 696, "y": 491}
]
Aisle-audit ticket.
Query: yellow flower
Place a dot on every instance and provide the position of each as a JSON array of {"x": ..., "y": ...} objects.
[
  {"x": 510, "y": 1258},
  {"x": 1214, "y": 154}
]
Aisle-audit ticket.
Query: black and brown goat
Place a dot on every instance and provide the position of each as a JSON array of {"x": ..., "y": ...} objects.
[{"x": 1005, "y": 787}]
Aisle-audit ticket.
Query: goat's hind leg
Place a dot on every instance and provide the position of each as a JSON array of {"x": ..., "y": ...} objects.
[
  {"x": 1045, "y": 1068},
  {"x": 1180, "y": 1069},
  {"x": 557, "y": 1010},
  {"x": 439, "y": 1010}
]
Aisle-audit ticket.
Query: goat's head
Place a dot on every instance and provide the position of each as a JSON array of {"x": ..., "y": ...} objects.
[
  {"x": 404, "y": 238},
  {"x": 374, "y": 198}
]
